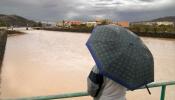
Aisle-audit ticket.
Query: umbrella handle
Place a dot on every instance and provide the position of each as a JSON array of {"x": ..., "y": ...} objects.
[{"x": 148, "y": 89}]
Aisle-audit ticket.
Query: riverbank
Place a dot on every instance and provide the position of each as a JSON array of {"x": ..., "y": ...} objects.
[
  {"x": 156, "y": 35},
  {"x": 77, "y": 30},
  {"x": 89, "y": 30},
  {"x": 13, "y": 32}
]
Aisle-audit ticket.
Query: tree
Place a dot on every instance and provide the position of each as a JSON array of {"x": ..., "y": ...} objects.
[
  {"x": 163, "y": 28},
  {"x": 135, "y": 28},
  {"x": 39, "y": 24},
  {"x": 170, "y": 28},
  {"x": 146, "y": 28},
  {"x": 2, "y": 24},
  {"x": 105, "y": 22},
  {"x": 155, "y": 28},
  {"x": 63, "y": 23}
]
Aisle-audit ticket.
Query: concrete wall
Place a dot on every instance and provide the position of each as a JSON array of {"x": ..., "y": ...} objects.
[{"x": 3, "y": 39}]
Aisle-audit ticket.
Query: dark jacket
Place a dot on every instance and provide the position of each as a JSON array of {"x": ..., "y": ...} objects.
[{"x": 103, "y": 88}]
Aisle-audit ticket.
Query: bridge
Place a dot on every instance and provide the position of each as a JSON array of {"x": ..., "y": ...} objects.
[{"x": 163, "y": 86}]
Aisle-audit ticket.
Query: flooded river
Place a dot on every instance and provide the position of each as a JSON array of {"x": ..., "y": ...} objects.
[{"x": 46, "y": 63}]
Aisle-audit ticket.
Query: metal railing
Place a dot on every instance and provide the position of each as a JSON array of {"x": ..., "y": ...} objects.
[{"x": 80, "y": 94}]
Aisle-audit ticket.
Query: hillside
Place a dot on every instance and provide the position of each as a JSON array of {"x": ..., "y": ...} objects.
[
  {"x": 8, "y": 20},
  {"x": 168, "y": 18}
]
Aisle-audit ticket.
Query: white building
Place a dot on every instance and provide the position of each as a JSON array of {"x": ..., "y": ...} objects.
[
  {"x": 91, "y": 24},
  {"x": 165, "y": 23},
  {"x": 152, "y": 23},
  {"x": 149, "y": 23},
  {"x": 59, "y": 24}
]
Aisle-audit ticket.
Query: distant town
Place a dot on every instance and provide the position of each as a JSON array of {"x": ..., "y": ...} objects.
[
  {"x": 127, "y": 24},
  {"x": 161, "y": 27},
  {"x": 144, "y": 28}
]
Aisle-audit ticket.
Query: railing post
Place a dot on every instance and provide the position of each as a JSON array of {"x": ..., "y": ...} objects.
[{"x": 163, "y": 92}]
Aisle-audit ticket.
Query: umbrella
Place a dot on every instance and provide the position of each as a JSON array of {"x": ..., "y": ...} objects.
[
  {"x": 3, "y": 39},
  {"x": 121, "y": 56}
]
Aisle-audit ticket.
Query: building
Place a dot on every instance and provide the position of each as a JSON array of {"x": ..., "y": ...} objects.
[
  {"x": 122, "y": 23},
  {"x": 91, "y": 24},
  {"x": 103, "y": 21},
  {"x": 165, "y": 23},
  {"x": 68, "y": 24},
  {"x": 75, "y": 22},
  {"x": 98, "y": 21},
  {"x": 59, "y": 24},
  {"x": 71, "y": 23},
  {"x": 148, "y": 23},
  {"x": 48, "y": 24},
  {"x": 153, "y": 23}
]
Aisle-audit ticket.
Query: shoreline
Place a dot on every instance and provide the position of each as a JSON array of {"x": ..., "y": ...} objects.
[
  {"x": 152, "y": 35},
  {"x": 13, "y": 32}
]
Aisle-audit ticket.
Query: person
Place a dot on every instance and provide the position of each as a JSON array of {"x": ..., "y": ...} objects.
[
  {"x": 102, "y": 88},
  {"x": 122, "y": 62}
]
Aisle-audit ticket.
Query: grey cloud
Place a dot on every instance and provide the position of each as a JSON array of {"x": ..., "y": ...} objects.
[
  {"x": 113, "y": 3},
  {"x": 102, "y": 4},
  {"x": 147, "y": 0},
  {"x": 54, "y": 10},
  {"x": 117, "y": 3},
  {"x": 105, "y": 0},
  {"x": 37, "y": 9}
]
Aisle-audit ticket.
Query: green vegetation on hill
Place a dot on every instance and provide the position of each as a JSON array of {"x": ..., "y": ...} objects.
[
  {"x": 163, "y": 31},
  {"x": 168, "y": 18},
  {"x": 14, "y": 20},
  {"x": 152, "y": 28}
]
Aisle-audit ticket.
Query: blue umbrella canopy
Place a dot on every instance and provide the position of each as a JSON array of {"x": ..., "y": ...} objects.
[
  {"x": 3, "y": 39},
  {"x": 121, "y": 56}
]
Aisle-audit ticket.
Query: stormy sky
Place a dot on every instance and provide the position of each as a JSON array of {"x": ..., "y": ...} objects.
[{"x": 118, "y": 10}]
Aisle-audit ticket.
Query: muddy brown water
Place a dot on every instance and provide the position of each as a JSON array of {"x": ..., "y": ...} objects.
[{"x": 47, "y": 63}]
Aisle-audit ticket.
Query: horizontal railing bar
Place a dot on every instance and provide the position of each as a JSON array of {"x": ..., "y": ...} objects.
[
  {"x": 48, "y": 97},
  {"x": 79, "y": 94},
  {"x": 152, "y": 85}
]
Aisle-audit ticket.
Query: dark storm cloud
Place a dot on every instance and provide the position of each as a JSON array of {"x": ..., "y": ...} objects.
[
  {"x": 36, "y": 9},
  {"x": 88, "y": 9}
]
